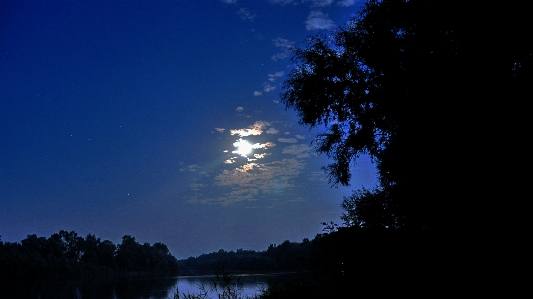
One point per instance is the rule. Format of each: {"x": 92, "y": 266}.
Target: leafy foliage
{"x": 371, "y": 209}
{"x": 406, "y": 83}
{"x": 367, "y": 80}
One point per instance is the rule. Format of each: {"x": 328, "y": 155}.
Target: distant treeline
{"x": 355, "y": 260}
{"x": 287, "y": 256}
{"x": 65, "y": 254}
{"x": 341, "y": 254}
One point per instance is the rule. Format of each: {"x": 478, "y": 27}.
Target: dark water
{"x": 160, "y": 288}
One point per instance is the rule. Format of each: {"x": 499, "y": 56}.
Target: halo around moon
{"x": 244, "y": 147}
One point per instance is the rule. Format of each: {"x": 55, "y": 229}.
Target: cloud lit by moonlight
{"x": 244, "y": 147}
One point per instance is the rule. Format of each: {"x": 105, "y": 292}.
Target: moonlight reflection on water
{"x": 250, "y": 285}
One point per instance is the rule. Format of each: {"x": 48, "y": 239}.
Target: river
{"x": 160, "y": 288}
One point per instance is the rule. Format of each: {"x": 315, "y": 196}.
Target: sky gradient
{"x": 161, "y": 120}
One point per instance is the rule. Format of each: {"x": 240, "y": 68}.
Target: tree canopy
{"x": 409, "y": 83}
{"x": 66, "y": 254}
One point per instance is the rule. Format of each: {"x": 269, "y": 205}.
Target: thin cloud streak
{"x": 282, "y": 2}
{"x": 288, "y": 140}
{"x": 347, "y": 3}
{"x": 320, "y": 3}
{"x": 267, "y": 87}
{"x": 300, "y": 150}
{"x": 275, "y": 76}
{"x": 285, "y": 45}
{"x": 317, "y": 20}
{"x": 246, "y": 15}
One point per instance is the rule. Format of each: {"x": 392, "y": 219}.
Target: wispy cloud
{"x": 347, "y": 3}
{"x": 229, "y": 1}
{"x": 256, "y": 129}
{"x": 315, "y": 176}
{"x": 285, "y": 45}
{"x": 246, "y": 15}
{"x": 288, "y": 140}
{"x": 300, "y": 150}
{"x": 313, "y": 3}
{"x": 276, "y": 75}
{"x": 261, "y": 125}
{"x": 239, "y": 109}
{"x": 317, "y": 20}
{"x": 272, "y": 131}
{"x": 253, "y": 180}
{"x": 245, "y": 132}
{"x": 191, "y": 168}
{"x": 220, "y": 130}
{"x": 196, "y": 186}
{"x": 320, "y": 3}
{"x": 283, "y": 2}
{"x": 261, "y": 156}
{"x": 267, "y": 87}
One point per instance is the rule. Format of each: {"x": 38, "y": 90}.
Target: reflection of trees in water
{"x": 157, "y": 288}
{"x": 146, "y": 288}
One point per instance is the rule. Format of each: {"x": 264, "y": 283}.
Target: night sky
{"x": 161, "y": 120}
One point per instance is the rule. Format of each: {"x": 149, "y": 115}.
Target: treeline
{"x": 287, "y": 256}
{"x": 334, "y": 261}
{"x": 381, "y": 261}
{"x": 339, "y": 251}
{"x": 66, "y": 254}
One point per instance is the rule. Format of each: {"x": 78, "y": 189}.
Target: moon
{"x": 243, "y": 147}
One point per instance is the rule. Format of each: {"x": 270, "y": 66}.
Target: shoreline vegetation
{"x": 285, "y": 257}
{"x": 325, "y": 266}
{"x": 68, "y": 255}
{"x": 344, "y": 259}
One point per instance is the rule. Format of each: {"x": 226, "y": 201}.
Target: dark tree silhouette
{"x": 408, "y": 83}
{"x": 128, "y": 253}
{"x": 66, "y": 255}
{"x": 368, "y": 209}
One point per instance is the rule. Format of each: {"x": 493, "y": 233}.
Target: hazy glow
{"x": 243, "y": 147}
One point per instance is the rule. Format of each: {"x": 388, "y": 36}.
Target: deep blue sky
{"x": 120, "y": 117}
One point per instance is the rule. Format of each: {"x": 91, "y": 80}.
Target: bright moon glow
{"x": 243, "y": 147}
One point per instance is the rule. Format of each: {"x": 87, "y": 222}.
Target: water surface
{"x": 152, "y": 288}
